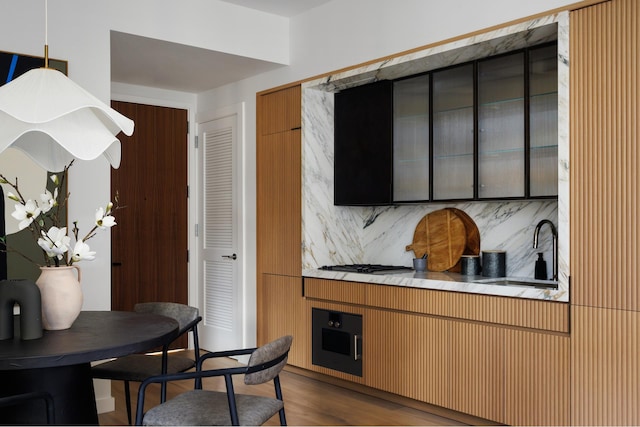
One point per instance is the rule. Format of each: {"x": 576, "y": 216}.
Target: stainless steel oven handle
{"x": 356, "y": 355}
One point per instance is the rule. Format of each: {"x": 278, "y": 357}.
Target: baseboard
{"x": 106, "y": 404}
{"x": 104, "y": 401}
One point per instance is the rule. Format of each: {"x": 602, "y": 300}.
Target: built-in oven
{"x": 337, "y": 340}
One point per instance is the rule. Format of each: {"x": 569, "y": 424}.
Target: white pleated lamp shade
{"x": 53, "y": 120}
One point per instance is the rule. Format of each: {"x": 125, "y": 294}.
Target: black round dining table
{"x": 59, "y": 363}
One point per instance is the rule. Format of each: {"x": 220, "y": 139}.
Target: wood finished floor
{"x": 307, "y": 402}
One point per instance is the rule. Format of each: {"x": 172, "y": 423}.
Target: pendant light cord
{"x": 46, "y": 35}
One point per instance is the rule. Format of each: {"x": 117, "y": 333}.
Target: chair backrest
{"x": 267, "y": 361}
{"x": 183, "y": 314}
{"x": 26, "y": 397}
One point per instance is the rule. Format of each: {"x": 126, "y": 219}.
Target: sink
{"x": 519, "y": 281}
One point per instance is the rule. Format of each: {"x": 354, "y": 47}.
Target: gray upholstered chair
{"x": 208, "y": 407}
{"x": 138, "y": 367}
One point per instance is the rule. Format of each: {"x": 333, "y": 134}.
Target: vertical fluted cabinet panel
{"x": 605, "y": 359}
{"x": 604, "y": 43}
{"x": 521, "y": 312}
{"x": 286, "y": 315}
{"x": 407, "y": 355}
{"x": 279, "y": 223}
{"x": 278, "y": 215}
{"x": 537, "y": 378}
{"x": 335, "y": 290}
{"x": 476, "y": 353}
{"x": 280, "y": 111}
{"x": 456, "y": 365}
{"x": 605, "y": 295}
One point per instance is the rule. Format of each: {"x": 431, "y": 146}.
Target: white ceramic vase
{"x": 61, "y": 296}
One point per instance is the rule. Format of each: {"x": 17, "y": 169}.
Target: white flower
{"x": 26, "y": 213}
{"x": 104, "y": 221}
{"x": 81, "y": 251}
{"x": 42, "y": 218}
{"x": 49, "y": 201}
{"x": 55, "y": 242}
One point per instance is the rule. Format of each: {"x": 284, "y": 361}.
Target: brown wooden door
{"x": 149, "y": 245}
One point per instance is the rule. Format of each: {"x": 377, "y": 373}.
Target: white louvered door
{"x": 220, "y": 282}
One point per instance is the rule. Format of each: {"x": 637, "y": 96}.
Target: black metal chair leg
{"x": 276, "y": 382}
{"x": 127, "y": 399}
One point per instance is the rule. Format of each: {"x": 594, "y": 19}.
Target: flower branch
{"x": 43, "y": 220}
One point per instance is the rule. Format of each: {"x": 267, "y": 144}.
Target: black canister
{"x": 470, "y": 265}
{"x": 494, "y": 263}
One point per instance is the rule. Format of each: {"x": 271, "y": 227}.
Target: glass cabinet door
{"x": 411, "y": 139}
{"x": 543, "y": 116}
{"x": 453, "y": 169}
{"x": 483, "y": 130}
{"x": 501, "y": 124}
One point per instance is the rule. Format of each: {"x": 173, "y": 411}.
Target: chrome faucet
{"x": 554, "y": 232}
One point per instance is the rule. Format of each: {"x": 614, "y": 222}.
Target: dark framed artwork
{"x": 13, "y": 65}
{"x": 33, "y": 180}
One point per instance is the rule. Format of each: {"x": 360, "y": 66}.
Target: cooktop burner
{"x": 366, "y": 268}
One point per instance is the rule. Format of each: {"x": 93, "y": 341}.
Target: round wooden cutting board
{"x": 442, "y": 236}
{"x": 472, "y": 246}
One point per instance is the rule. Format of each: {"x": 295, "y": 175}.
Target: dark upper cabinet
{"x": 481, "y": 130}
{"x": 364, "y": 145}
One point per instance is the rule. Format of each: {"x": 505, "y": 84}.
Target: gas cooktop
{"x": 366, "y": 268}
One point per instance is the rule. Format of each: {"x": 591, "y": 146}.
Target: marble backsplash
{"x": 347, "y": 235}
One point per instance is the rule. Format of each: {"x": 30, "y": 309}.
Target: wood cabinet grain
{"x": 279, "y": 110}
{"x": 503, "y": 359}
{"x": 536, "y": 378}
{"x": 604, "y": 105}
{"x": 279, "y": 224}
{"x": 605, "y": 297}
{"x": 280, "y": 304}
{"x": 285, "y": 313}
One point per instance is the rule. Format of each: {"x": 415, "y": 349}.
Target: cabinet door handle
{"x": 357, "y": 355}
{"x": 233, "y": 256}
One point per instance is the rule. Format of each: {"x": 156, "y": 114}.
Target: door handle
{"x": 233, "y": 256}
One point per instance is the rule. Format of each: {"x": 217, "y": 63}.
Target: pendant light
{"x": 53, "y": 120}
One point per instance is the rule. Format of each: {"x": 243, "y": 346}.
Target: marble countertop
{"x": 443, "y": 281}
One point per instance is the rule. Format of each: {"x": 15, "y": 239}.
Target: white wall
{"x": 78, "y": 32}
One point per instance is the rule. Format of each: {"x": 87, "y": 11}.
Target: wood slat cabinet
{"x": 536, "y": 378}
{"x": 286, "y": 314}
{"x": 279, "y": 110}
{"x": 605, "y": 296}
{"x": 604, "y": 105}
{"x": 456, "y": 365}
{"x": 279, "y": 220}
{"x": 470, "y": 353}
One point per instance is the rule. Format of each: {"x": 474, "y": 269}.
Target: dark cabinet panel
{"x": 364, "y": 145}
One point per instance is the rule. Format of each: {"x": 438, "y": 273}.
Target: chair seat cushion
{"x": 206, "y": 407}
{"x": 138, "y": 367}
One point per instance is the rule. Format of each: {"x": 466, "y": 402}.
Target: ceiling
{"x": 160, "y": 64}
{"x": 286, "y": 8}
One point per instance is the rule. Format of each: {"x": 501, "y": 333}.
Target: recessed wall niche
{"x": 347, "y": 235}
